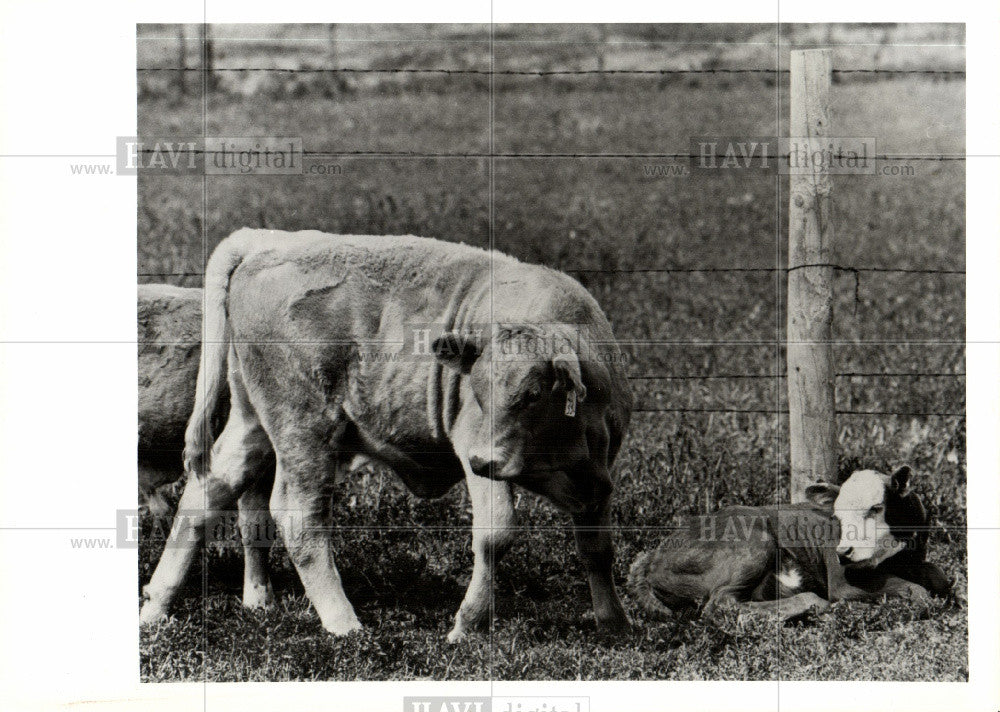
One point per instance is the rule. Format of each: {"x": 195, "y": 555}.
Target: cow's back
{"x": 319, "y": 295}
{"x": 169, "y": 351}
{"x": 337, "y": 308}
{"x": 169, "y": 346}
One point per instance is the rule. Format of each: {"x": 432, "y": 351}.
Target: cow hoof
{"x": 151, "y": 614}
{"x": 615, "y": 627}
{"x": 343, "y": 626}
{"x": 457, "y": 635}
{"x": 820, "y": 606}
{"x": 257, "y": 597}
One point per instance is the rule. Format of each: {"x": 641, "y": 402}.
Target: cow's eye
{"x": 877, "y": 509}
{"x": 532, "y": 395}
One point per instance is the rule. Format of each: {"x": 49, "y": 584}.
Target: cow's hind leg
{"x": 493, "y": 521}
{"x": 308, "y": 463}
{"x": 257, "y": 534}
{"x": 236, "y": 459}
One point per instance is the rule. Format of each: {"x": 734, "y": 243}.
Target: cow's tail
{"x": 641, "y": 589}
{"x": 198, "y": 437}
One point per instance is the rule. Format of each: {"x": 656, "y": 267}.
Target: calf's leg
{"x": 236, "y": 460}
{"x": 841, "y": 590}
{"x": 933, "y": 578}
{"x": 791, "y": 607}
{"x": 256, "y": 532}
{"x": 301, "y": 506}
{"x": 897, "y": 588}
{"x": 592, "y": 530}
{"x": 493, "y": 522}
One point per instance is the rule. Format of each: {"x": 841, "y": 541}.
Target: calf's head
{"x": 879, "y": 516}
{"x": 522, "y": 412}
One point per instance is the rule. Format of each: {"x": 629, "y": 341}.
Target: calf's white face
{"x": 859, "y": 506}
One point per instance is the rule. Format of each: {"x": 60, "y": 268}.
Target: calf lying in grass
{"x": 864, "y": 540}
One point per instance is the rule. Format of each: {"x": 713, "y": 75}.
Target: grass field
{"x": 407, "y": 577}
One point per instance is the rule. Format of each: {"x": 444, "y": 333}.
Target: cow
{"x": 522, "y": 384}
{"x": 864, "y": 540}
{"x": 169, "y": 346}
{"x": 169, "y": 350}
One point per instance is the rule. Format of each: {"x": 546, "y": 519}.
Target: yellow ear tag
{"x": 571, "y": 404}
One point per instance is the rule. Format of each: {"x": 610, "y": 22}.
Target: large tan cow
{"x": 326, "y": 344}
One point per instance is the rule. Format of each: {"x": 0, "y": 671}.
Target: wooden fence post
{"x": 811, "y": 397}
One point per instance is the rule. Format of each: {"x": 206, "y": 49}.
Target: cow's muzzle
{"x": 482, "y": 467}
{"x": 493, "y": 469}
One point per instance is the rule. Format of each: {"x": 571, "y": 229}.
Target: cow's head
{"x": 879, "y": 515}
{"x": 523, "y": 411}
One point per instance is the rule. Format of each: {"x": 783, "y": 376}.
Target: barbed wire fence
{"x": 855, "y": 271}
{"x": 956, "y": 73}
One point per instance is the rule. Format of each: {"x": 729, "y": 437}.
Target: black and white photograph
{"x": 507, "y": 365}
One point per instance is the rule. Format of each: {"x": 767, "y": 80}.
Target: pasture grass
{"x": 407, "y": 576}
{"x": 542, "y": 628}
{"x": 405, "y": 563}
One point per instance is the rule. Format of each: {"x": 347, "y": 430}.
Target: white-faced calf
{"x": 864, "y": 540}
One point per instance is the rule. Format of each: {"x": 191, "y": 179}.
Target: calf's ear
{"x": 567, "y": 367}
{"x": 900, "y": 480}
{"x": 822, "y": 494}
{"x": 456, "y": 351}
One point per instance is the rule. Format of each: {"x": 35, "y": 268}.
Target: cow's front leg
{"x": 932, "y": 578}
{"x": 895, "y": 587}
{"x": 793, "y": 606}
{"x": 839, "y": 589}
{"x": 594, "y": 543}
{"x": 493, "y": 521}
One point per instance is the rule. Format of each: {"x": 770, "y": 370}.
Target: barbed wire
{"x": 688, "y": 270}
{"x": 669, "y": 155}
{"x": 759, "y": 376}
{"x": 538, "y": 73}
{"x": 784, "y": 411}
{"x": 856, "y": 272}
{"x": 709, "y": 270}
{"x": 370, "y": 153}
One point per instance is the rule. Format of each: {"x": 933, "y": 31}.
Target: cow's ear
{"x": 568, "y": 374}
{"x": 900, "y": 480}
{"x": 823, "y": 495}
{"x": 456, "y": 351}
